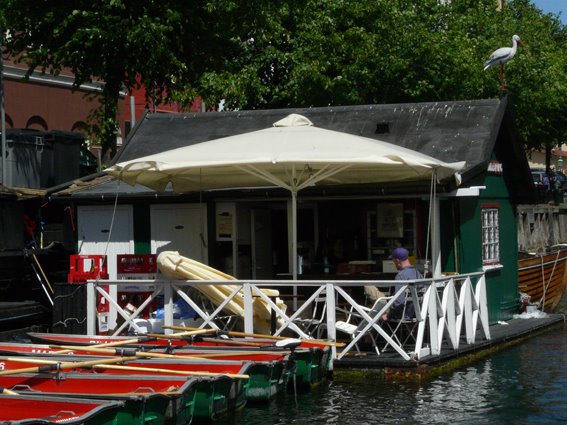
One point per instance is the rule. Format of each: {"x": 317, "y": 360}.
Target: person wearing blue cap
{"x": 406, "y": 271}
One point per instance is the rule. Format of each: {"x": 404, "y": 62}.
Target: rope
{"x": 542, "y": 282}
{"x": 546, "y": 285}
{"x": 112, "y": 220}
{"x": 432, "y": 194}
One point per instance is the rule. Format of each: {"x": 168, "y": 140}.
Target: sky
{"x": 553, "y": 6}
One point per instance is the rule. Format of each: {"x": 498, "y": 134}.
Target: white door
{"x": 182, "y": 228}
{"x": 104, "y": 230}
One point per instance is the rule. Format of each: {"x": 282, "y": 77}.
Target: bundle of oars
{"x": 174, "y": 265}
{"x": 116, "y": 359}
{"x": 119, "y": 354}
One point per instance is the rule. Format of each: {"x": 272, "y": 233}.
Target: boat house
{"x": 344, "y": 231}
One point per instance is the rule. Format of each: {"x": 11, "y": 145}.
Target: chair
{"x": 403, "y": 329}
{"x": 315, "y": 325}
{"x": 226, "y": 321}
{"x": 354, "y": 329}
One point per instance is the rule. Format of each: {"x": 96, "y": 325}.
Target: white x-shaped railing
{"x": 448, "y": 310}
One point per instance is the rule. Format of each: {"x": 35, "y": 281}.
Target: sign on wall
{"x": 225, "y": 221}
{"x": 390, "y": 220}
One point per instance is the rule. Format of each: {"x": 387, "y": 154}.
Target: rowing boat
{"x": 265, "y": 378}
{"x": 147, "y": 399}
{"x": 312, "y": 359}
{"x": 31, "y": 410}
{"x": 148, "y": 340}
{"x": 311, "y": 366}
{"x": 17, "y": 348}
{"x": 544, "y": 278}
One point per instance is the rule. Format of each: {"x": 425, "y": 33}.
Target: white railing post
{"x": 480, "y": 297}
{"x": 433, "y": 321}
{"x": 449, "y": 313}
{"x": 423, "y": 318}
{"x": 91, "y": 308}
{"x": 167, "y": 306}
{"x": 468, "y": 310}
{"x": 248, "y": 312}
{"x": 331, "y": 316}
{"x": 112, "y": 311}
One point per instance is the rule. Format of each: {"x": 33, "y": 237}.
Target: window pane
{"x": 490, "y": 236}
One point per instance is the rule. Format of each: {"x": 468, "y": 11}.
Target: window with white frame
{"x": 490, "y": 235}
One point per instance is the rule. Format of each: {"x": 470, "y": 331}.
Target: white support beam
{"x": 473, "y": 191}
{"x": 436, "y": 239}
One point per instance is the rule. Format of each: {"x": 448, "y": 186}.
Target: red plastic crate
{"x": 87, "y": 267}
{"x": 138, "y": 264}
{"x": 134, "y": 267}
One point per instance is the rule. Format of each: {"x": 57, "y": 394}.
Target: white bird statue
{"x": 503, "y": 55}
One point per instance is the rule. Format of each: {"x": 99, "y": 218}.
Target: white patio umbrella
{"x": 293, "y": 154}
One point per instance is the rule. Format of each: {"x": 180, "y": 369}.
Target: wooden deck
{"x": 391, "y": 365}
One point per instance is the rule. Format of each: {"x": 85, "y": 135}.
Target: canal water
{"x": 523, "y": 384}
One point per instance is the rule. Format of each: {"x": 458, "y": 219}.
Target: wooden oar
{"x": 182, "y": 335}
{"x": 262, "y": 336}
{"x": 232, "y": 342}
{"x": 214, "y": 340}
{"x": 66, "y": 365}
{"x": 170, "y": 371}
{"x": 99, "y": 365}
{"x": 131, "y": 352}
{"x": 143, "y": 338}
{"x": 7, "y": 391}
{"x": 137, "y": 340}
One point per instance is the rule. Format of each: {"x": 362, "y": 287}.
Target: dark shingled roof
{"x": 450, "y": 131}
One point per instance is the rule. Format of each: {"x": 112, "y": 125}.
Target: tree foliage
{"x": 120, "y": 42}
{"x": 299, "y": 53}
{"x": 340, "y": 52}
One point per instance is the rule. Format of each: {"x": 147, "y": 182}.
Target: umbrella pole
{"x": 294, "y": 244}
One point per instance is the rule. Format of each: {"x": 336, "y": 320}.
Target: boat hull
{"x": 147, "y": 399}
{"x": 266, "y": 379}
{"x": 312, "y": 360}
{"x": 307, "y": 367}
{"x": 544, "y": 278}
{"x": 31, "y": 410}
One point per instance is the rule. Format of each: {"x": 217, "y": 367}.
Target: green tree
{"x": 120, "y": 43}
{"x": 340, "y": 52}
{"x": 298, "y": 53}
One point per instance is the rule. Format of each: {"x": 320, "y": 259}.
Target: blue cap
{"x": 399, "y": 254}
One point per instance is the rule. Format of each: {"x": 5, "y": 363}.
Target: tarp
{"x": 174, "y": 265}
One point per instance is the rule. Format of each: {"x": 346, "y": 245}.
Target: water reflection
{"x": 525, "y": 384}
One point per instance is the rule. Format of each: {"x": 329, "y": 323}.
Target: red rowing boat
{"x": 31, "y": 410}
{"x": 311, "y": 365}
{"x": 147, "y": 398}
{"x": 175, "y": 341}
{"x": 14, "y": 348}
{"x": 266, "y": 379}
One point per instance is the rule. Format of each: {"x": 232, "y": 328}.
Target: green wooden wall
{"x": 462, "y": 239}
